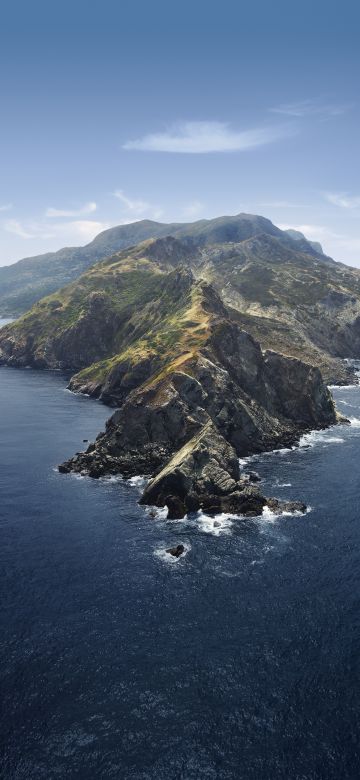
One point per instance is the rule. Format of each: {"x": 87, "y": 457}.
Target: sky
{"x": 117, "y": 111}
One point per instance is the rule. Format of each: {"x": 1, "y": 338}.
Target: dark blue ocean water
{"x": 240, "y": 660}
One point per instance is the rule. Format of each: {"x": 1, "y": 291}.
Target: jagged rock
{"x": 205, "y": 475}
{"x": 206, "y": 465}
{"x": 253, "y": 476}
{"x": 176, "y": 508}
{"x": 65, "y": 468}
{"x": 176, "y": 551}
{"x": 285, "y": 506}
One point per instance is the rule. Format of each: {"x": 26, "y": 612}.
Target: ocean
{"x": 238, "y": 660}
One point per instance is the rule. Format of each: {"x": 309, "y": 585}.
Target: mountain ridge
{"x": 28, "y": 280}
{"x": 299, "y": 303}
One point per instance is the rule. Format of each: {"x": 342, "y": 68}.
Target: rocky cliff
{"x": 146, "y": 331}
{"x": 187, "y": 425}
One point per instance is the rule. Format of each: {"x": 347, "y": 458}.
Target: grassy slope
{"x": 173, "y": 337}
{"x": 157, "y": 311}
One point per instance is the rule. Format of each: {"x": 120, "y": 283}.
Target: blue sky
{"x": 117, "y": 111}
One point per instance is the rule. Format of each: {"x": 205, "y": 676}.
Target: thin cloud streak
{"x": 343, "y": 200}
{"x": 76, "y": 230}
{"x": 304, "y": 108}
{"x": 193, "y": 209}
{"x": 136, "y": 208}
{"x": 207, "y": 137}
{"x": 88, "y": 208}
{"x": 282, "y": 204}
{"x": 17, "y": 228}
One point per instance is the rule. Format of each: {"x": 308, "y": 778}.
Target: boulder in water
{"x": 177, "y": 551}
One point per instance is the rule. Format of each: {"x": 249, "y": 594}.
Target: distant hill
{"x": 28, "y": 280}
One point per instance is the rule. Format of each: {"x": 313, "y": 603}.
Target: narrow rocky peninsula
{"x": 187, "y": 425}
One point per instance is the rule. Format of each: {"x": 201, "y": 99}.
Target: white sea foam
{"x": 157, "y": 513}
{"x": 139, "y": 481}
{"x": 112, "y": 478}
{"x": 270, "y": 516}
{"x": 243, "y": 462}
{"x": 355, "y": 422}
{"x": 319, "y": 437}
{"x": 217, "y": 525}
{"x": 344, "y": 387}
{"x": 166, "y": 557}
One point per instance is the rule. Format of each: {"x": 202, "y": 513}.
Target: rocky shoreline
{"x": 205, "y": 475}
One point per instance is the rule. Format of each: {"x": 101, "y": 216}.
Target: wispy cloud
{"x": 136, "y": 208}
{"x": 193, "y": 209}
{"x": 313, "y": 232}
{"x": 17, "y": 228}
{"x": 6, "y": 207}
{"x": 304, "y": 108}
{"x": 281, "y": 204}
{"x": 205, "y": 137}
{"x": 88, "y": 208}
{"x": 86, "y": 229}
{"x": 75, "y": 230}
{"x": 343, "y": 200}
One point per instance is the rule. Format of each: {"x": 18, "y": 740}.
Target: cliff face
{"x": 255, "y": 409}
{"x": 301, "y": 305}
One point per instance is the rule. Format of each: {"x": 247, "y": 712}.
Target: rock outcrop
{"x": 204, "y": 474}
{"x": 177, "y": 551}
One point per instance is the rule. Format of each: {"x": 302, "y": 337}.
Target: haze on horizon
{"x": 110, "y": 116}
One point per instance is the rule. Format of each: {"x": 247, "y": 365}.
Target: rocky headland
{"x": 165, "y": 333}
